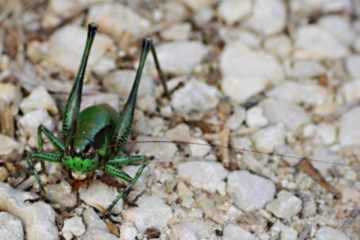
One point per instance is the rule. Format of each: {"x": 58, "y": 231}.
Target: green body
{"x": 93, "y": 138}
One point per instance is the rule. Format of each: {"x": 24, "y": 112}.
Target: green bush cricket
{"x": 89, "y": 136}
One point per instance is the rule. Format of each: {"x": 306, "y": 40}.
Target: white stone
{"x": 279, "y": 45}
{"x": 349, "y": 131}
{"x": 10, "y": 93}
{"x": 268, "y": 17}
{"x": 286, "y": 233}
{"x": 313, "y": 42}
{"x": 200, "y": 149}
{"x": 96, "y": 228}
{"x": 128, "y": 231}
{"x": 255, "y": 117}
{"x": 31, "y": 121}
{"x": 18, "y": 203}
{"x": 249, "y": 191}
{"x": 309, "y": 7}
{"x": 267, "y": 139}
{"x": 205, "y": 175}
{"x": 67, "y": 44}
{"x": 258, "y": 69}
{"x": 328, "y": 159}
{"x": 121, "y": 81}
{"x": 352, "y": 64}
{"x": 177, "y": 32}
{"x": 162, "y": 149}
{"x": 73, "y": 227}
{"x": 307, "y": 69}
{"x": 104, "y": 65}
{"x": 181, "y": 57}
{"x": 9, "y": 148}
{"x": 285, "y": 206}
{"x": 328, "y": 233}
{"x": 340, "y": 27}
{"x": 234, "y": 10}
{"x": 195, "y": 96}
{"x": 152, "y": 211}
{"x": 326, "y": 134}
{"x": 290, "y": 114}
{"x": 306, "y": 93}
{"x": 235, "y": 232}
{"x": 116, "y": 19}
{"x": 61, "y": 194}
{"x": 350, "y": 91}
{"x": 191, "y": 229}
{"x": 357, "y": 44}
{"x": 10, "y": 227}
{"x": 100, "y": 196}
{"x": 39, "y": 98}
{"x": 199, "y": 4}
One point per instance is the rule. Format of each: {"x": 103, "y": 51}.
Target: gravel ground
{"x": 276, "y": 83}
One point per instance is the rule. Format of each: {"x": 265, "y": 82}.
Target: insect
{"x": 95, "y": 137}
{"x": 88, "y": 134}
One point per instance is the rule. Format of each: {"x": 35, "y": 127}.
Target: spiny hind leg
{"x": 114, "y": 171}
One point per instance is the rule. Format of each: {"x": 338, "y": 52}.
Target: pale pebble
{"x": 352, "y": 65}
{"x": 285, "y": 206}
{"x": 10, "y": 227}
{"x": 269, "y": 17}
{"x": 177, "y": 32}
{"x": 208, "y": 176}
{"x": 349, "y": 132}
{"x": 255, "y": 117}
{"x": 249, "y": 191}
{"x": 152, "y": 211}
{"x": 340, "y": 27}
{"x": 279, "y": 45}
{"x": 191, "y": 229}
{"x": 39, "y": 98}
{"x": 267, "y": 139}
{"x": 233, "y": 11}
{"x": 235, "y": 232}
{"x": 73, "y": 227}
{"x": 328, "y": 233}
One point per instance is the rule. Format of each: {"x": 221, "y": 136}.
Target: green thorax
{"x": 78, "y": 164}
{"x": 95, "y": 128}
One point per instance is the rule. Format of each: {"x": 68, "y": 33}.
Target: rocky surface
{"x": 265, "y": 91}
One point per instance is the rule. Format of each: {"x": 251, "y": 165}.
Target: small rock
{"x": 267, "y": 139}
{"x": 258, "y": 70}
{"x": 96, "y": 228}
{"x": 191, "y": 229}
{"x": 177, "y": 32}
{"x": 39, "y": 99}
{"x": 151, "y": 212}
{"x": 61, "y": 194}
{"x": 205, "y": 175}
{"x": 255, "y": 117}
{"x": 233, "y": 11}
{"x": 10, "y": 93}
{"x": 67, "y": 44}
{"x": 185, "y": 194}
{"x": 328, "y": 233}
{"x": 181, "y": 57}
{"x": 279, "y": 45}
{"x": 174, "y": 11}
{"x": 249, "y": 191}
{"x": 208, "y": 206}
{"x": 73, "y": 227}
{"x": 313, "y": 42}
{"x": 121, "y": 81}
{"x": 350, "y": 91}
{"x": 325, "y": 134}
{"x": 162, "y": 150}
{"x": 349, "y": 131}
{"x": 17, "y": 203}
{"x": 235, "y": 232}
{"x": 195, "y": 96}
{"x": 9, "y": 148}
{"x": 128, "y": 231}
{"x": 31, "y": 121}
{"x": 268, "y": 17}
{"x": 116, "y": 20}
{"x": 290, "y": 114}
{"x": 199, "y": 4}
{"x": 306, "y": 93}
{"x": 200, "y": 148}
{"x": 329, "y": 160}
{"x": 100, "y": 196}
{"x": 105, "y": 65}
{"x": 286, "y": 233}
{"x": 10, "y": 227}
{"x": 307, "y": 8}
{"x": 340, "y": 27}
{"x": 285, "y": 206}
{"x": 307, "y": 69}
{"x": 352, "y": 64}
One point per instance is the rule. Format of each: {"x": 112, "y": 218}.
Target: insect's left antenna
{"x": 72, "y": 107}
